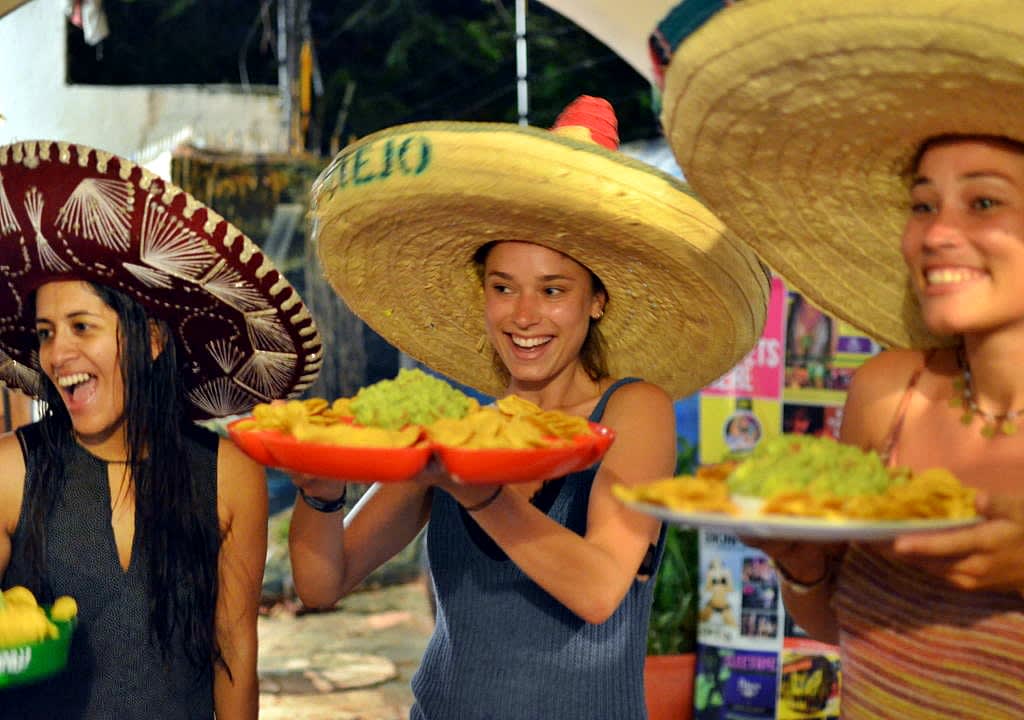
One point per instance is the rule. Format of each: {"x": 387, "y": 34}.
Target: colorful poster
{"x": 752, "y": 661}
{"x": 735, "y": 684}
{"x": 759, "y": 374}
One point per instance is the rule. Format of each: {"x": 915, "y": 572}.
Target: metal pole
{"x": 522, "y": 94}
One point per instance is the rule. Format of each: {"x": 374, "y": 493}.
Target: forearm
{"x": 807, "y": 597}
{"x": 237, "y": 696}
{"x": 583, "y": 574}
{"x": 316, "y": 547}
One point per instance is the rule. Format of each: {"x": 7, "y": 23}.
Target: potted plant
{"x": 672, "y": 636}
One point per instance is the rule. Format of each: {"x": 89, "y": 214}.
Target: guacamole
{"x": 788, "y": 463}
{"x": 412, "y": 397}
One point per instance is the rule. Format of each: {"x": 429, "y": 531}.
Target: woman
{"x": 518, "y": 260}
{"x": 154, "y": 526}
{"x": 930, "y": 625}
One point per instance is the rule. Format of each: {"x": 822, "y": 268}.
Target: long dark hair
{"x": 593, "y": 352}
{"x": 180, "y": 543}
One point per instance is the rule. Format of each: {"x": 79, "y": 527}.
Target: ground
{"x": 352, "y": 663}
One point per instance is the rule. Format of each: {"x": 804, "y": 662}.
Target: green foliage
{"x": 673, "y": 627}
{"x": 381, "y": 62}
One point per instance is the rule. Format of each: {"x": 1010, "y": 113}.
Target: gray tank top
{"x": 503, "y": 648}
{"x": 115, "y": 668}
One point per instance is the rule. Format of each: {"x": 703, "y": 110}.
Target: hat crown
{"x": 593, "y": 114}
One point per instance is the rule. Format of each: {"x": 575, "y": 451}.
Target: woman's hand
{"x": 469, "y": 496}
{"x": 985, "y": 556}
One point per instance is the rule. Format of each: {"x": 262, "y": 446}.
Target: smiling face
{"x": 964, "y": 240}
{"x": 538, "y": 308}
{"x": 79, "y": 352}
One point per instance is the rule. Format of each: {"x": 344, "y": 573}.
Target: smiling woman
{"x": 130, "y": 309}
{"x": 796, "y": 124}
{"x": 547, "y": 265}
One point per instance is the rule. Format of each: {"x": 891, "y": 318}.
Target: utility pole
{"x": 522, "y": 94}
{"x": 291, "y": 48}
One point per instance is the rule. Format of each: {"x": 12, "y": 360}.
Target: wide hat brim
{"x": 796, "y": 121}
{"x": 399, "y": 215}
{"x": 73, "y": 212}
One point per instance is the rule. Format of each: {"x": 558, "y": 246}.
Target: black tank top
{"x": 115, "y": 668}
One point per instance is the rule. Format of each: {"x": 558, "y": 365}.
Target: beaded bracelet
{"x": 484, "y": 503}
{"x": 324, "y": 506}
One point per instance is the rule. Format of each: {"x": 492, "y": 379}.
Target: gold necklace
{"x": 992, "y": 424}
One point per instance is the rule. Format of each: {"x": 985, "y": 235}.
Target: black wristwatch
{"x": 324, "y": 506}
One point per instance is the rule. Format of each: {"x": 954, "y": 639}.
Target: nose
{"x": 59, "y": 348}
{"x": 525, "y": 311}
{"x": 945, "y": 230}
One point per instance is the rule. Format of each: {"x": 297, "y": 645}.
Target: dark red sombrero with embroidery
{"x": 73, "y": 212}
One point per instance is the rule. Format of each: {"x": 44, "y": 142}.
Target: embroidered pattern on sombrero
{"x": 71, "y": 212}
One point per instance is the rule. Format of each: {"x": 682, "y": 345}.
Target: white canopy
{"x": 622, "y": 25}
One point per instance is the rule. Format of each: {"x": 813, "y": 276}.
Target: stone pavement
{"x": 352, "y": 663}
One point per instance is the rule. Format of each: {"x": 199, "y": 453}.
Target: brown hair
{"x": 910, "y": 172}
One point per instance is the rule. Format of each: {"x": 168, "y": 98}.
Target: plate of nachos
{"x": 802, "y": 487}
{"x": 389, "y": 431}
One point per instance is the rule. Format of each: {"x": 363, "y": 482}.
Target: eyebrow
{"x": 925, "y": 180}
{"x": 544, "y": 278}
{"x": 70, "y": 315}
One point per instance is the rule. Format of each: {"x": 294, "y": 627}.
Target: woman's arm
{"x": 332, "y": 553}
{"x": 242, "y": 509}
{"x": 12, "y": 487}
{"x": 590, "y": 575}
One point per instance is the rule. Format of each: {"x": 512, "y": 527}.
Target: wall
{"x": 136, "y": 121}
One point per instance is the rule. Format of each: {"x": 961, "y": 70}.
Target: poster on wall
{"x": 753, "y": 661}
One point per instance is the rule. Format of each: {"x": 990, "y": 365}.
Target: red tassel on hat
{"x": 596, "y": 115}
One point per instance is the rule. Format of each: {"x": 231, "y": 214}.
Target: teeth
{"x": 69, "y": 380}
{"x": 529, "y": 342}
{"x": 948, "y": 276}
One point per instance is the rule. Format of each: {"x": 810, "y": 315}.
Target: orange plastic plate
{"x": 487, "y": 466}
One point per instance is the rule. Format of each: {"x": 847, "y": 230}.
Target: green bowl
{"x": 25, "y": 664}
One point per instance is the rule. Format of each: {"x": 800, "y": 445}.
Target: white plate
{"x": 788, "y": 527}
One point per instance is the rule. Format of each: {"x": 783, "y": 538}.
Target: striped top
{"x": 915, "y": 648}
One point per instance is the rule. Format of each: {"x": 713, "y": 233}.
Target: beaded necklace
{"x": 993, "y": 424}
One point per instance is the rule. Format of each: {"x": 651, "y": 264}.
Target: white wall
{"x": 129, "y": 120}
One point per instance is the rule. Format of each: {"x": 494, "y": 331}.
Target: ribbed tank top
{"x": 503, "y": 648}
{"x": 115, "y": 669}
{"x": 914, "y": 648}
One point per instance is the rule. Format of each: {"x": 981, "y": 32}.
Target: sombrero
{"x": 795, "y": 121}
{"x": 399, "y": 214}
{"x": 72, "y": 212}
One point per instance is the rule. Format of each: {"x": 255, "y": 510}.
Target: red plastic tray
{"x": 488, "y": 466}
{"x": 472, "y": 466}
{"x": 337, "y": 462}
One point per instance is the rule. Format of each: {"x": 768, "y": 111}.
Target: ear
{"x": 597, "y": 305}
{"x": 157, "y": 338}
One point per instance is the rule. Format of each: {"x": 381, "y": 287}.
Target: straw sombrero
{"x": 400, "y": 213}
{"x": 72, "y": 212}
{"x": 793, "y": 120}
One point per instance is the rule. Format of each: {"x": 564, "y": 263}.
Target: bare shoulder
{"x": 241, "y": 481}
{"x": 887, "y": 370}
{"x": 638, "y": 397}
{"x": 12, "y": 481}
{"x": 643, "y": 407}
{"x": 874, "y": 396}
